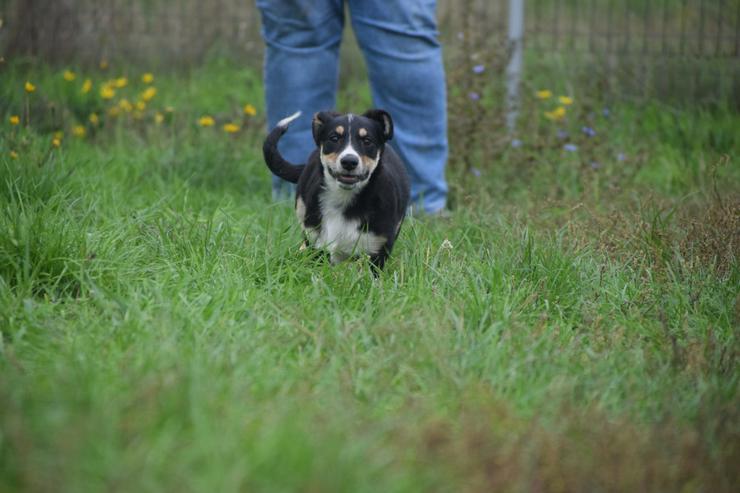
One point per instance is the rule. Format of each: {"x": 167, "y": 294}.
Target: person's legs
{"x": 302, "y": 40}
{"x": 404, "y": 59}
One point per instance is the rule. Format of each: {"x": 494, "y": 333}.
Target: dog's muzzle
{"x": 347, "y": 179}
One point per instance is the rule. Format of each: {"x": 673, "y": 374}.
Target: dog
{"x": 353, "y": 192}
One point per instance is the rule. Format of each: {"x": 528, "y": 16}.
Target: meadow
{"x": 572, "y": 327}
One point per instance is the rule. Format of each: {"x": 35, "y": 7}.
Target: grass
{"x": 573, "y": 327}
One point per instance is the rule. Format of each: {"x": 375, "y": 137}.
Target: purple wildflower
{"x": 606, "y": 112}
{"x": 588, "y": 131}
{"x": 479, "y": 69}
{"x": 474, "y": 96}
{"x": 562, "y": 134}
{"x": 475, "y": 172}
{"x": 570, "y": 147}
{"x": 621, "y": 157}
{"x": 516, "y": 143}
{"x": 595, "y": 165}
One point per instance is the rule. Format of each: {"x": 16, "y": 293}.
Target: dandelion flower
{"x": 250, "y": 110}
{"x": 94, "y": 119}
{"x": 556, "y": 115}
{"x": 147, "y": 78}
{"x": 565, "y": 100}
{"x": 13, "y": 155}
{"x": 120, "y": 82}
{"x": 69, "y": 76}
{"x": 107, "y": 92}
{"x": 206, "y": 121}
{"x": 86, "y": 86}
{"x": 543, "y": 94}
{"x": 79, "y": 131}
{"x": 149, "y": 94}
{"x": 140, "y": 105}
{"x": 56, "y": 142}
{"x": 14, "y": 119}
{"x": 158, "y": 118}
{"x": 29, "y": 87}
{"x": 114, "y": 111}
{"x": 125, "y": 105}
{"x": 231, "y": 128}
{"x": 59, "y": 135}
{"x": 103, "y": 64}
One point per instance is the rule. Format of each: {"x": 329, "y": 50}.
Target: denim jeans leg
{"x": 301, "y": 67}
{"x": 399, "y": 39}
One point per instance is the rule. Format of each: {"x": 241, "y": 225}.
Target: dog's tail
{"x": 277, "y": 164}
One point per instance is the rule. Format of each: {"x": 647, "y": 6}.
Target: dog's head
{"x": 350, "y": 145}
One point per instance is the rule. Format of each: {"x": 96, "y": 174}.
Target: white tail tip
{"x": 287, "y": 121}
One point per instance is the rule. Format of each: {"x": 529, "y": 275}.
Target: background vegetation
{"x": 572, "y": 327}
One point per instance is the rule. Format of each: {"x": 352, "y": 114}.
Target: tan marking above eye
{"x": 362, "y": 132}
{"x": 339, "y": 130}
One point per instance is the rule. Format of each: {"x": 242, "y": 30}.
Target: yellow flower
{"x": 169, "y": 109}
{"x": 69, "y": 76}
{"x": 56, "y": 142}
{"x": 206, "y": 121}
{"x": 107, "y": 92}
{"x": 79, "y": 131}
{"x": 113, "y": 111}
{"x": 543, "y": 94}
{"x": 158, "y": 118}
{"x": 14, "y": 119}
{"x": 565, "y": 100}
{"x": 231, "y": 128}
{"x": 147, "y": 78}
{"x": 120, "y": 82}
{"x": 86, "y": 86}
{"x": 103, "y": 64}
{"x": 140, "y": 105}
{"x": 149, "y": 93}
{"x": 556, "y": 115}
{"x": 29, "y": 87}
{"x": 125, "y": 105}
{"x": 59, "y": 135}
{"x": 94, "y": 119}
{"x": 250, "y": 110}
{"x": 13, "y": 155}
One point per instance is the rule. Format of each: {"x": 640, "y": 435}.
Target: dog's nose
{"x": 349, "y": 162}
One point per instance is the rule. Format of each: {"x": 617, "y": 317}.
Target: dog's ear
{"x": 319, "y": 120}
{"x": 385, "y": 121}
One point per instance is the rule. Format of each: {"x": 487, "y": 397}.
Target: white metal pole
{"x": 514, "y": 68}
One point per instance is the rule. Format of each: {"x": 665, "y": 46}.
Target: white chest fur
{"x": 343, "y": 237}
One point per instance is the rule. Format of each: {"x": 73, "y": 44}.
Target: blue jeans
{"x": 404, "y": 60}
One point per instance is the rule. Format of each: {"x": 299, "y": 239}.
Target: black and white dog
{"x": 353, "y": 192}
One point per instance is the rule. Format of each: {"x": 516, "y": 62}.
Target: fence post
{"x": 514, "y": 67}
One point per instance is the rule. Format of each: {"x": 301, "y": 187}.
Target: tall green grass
{"x": 571, "y": 328}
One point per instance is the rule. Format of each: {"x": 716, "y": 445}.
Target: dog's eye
{"x": 367, "y": 141}
{"x": 333, "y": 138}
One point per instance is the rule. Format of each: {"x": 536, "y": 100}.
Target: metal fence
{"x": 642, "y": 47}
